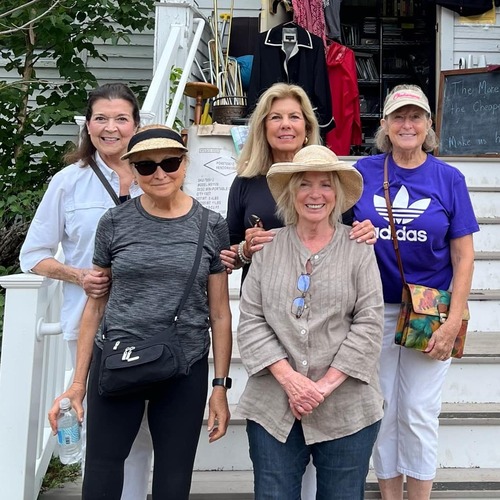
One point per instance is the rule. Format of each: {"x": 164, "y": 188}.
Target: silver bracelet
{"x": 243, "y": 258}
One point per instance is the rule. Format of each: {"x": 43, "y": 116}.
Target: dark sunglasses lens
{"x": 170, "y": 165}
{"x": 145, "y": 167}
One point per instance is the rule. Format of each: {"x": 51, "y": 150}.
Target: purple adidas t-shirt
{"x": 431, "y": 206}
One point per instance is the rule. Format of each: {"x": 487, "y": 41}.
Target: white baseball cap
{"x": 400, "y": 97}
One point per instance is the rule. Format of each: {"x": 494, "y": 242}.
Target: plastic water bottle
{"x": 68, "y": 434}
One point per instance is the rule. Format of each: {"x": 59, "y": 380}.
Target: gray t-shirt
{"x": 151, "y": 259}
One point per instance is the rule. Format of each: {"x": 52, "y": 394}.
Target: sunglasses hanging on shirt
{"x": 168, "y": 165}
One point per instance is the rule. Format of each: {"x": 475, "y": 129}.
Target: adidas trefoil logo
{"x": 403, "y": 212}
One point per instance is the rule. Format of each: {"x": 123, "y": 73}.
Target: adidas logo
{"x": 403, "y": 213}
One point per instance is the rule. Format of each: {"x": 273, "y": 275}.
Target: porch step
{"x": 467, "y": 434}
{"x": 472, "y": 379}
{"x": 456, "y": 484}
{"x": 486, "y": 240}
{"x": 485, "y": 200}
{"x": 484, "y": 303}
{"x": 484, "y": 308}
{"x": 486, "y": 270}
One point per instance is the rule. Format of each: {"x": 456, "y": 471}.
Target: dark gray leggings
{"x": 175, "y": 416}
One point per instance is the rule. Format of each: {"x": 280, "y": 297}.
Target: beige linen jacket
{"x": 341, "y": 327}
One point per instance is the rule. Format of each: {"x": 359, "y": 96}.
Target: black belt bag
{"x": 127, "y": 366}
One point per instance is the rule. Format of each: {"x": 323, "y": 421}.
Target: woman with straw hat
{"x": 148, "y": 245}
{"x": 310, "y": 336}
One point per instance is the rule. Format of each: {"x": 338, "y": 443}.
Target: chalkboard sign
{"x": 468, "y": 121}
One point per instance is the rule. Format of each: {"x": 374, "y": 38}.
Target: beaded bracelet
{"x": 244, "y": 259}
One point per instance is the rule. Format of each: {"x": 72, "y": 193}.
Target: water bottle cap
{"x": 65, "y": 404}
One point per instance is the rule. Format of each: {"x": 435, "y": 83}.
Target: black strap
{"x": 196, "y": 265}
{"x": 391, "y": 220}
{"x": 194, "y": 270}
{"x": 104, "y": 181}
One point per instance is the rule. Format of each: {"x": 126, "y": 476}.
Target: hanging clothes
{"x": 301, "y": 62}
{"x": 310, "y": 15}
{"x": 341, "y": 65}
{"x": 332, "y": 19}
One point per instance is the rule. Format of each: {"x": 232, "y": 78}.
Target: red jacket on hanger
{"x": 341, "y": 69}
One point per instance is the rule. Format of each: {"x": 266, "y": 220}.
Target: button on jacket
{"x": 341, "y": 327}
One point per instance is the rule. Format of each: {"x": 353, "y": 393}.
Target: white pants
{"x": 309, "y": 483}
{"x": 137, "y": 467}
{"x": 412, "y": 384}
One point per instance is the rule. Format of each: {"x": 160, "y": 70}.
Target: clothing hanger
{"x": 286, "y": 3}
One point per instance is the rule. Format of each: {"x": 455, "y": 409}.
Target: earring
{"x": 135, "y": 182}
{"x": 306, "y": 140}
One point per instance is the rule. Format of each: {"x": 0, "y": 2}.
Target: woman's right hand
{"x": 75, "y": 393}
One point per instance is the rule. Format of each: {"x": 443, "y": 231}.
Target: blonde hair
{"x": 285, "y": 204}
{"x": 382, "y": 140}
{"x": 256, "y": 156}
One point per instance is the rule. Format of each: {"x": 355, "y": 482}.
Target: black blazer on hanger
{"x": 306, "y": 67}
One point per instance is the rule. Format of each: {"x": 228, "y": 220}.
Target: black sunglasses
{"x": 148, "y": 167}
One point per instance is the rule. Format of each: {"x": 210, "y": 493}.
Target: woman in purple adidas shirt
{"x": 434, "y": 223}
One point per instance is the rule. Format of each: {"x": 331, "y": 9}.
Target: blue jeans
{"x": 341, "y": 464}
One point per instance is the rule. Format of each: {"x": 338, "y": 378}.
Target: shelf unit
{"x": 394, "y": 43}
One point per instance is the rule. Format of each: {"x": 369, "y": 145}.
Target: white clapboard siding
{"x": 461, "y": 39}
{"x": 128, "y": 63}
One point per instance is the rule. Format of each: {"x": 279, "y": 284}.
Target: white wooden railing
{"x": 35, "y": 365}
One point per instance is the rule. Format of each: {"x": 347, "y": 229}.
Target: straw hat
{"x": 152, "y": 138}
{"x": 405, "y": 97}
{"x": 317, "y": 159}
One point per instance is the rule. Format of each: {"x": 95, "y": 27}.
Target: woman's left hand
{"x": 363, "y": 232}
{"x": 219, "y": 415}
{"x": 442, "y": 341}
{"x": 229, "y": 259}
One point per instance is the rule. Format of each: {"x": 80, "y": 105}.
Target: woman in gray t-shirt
{"x": 148, "y": 247}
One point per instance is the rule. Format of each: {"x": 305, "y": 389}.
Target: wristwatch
{"x": 226, "y": 382}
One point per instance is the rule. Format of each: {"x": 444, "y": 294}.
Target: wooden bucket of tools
{"x": 225, "y": 109}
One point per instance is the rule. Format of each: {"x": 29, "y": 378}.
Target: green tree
{"x": 60, "y": 30}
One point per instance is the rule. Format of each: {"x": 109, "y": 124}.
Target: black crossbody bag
{"x": 127, "y": 366}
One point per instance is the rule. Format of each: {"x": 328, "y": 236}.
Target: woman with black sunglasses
{"x": 148, "y": 245}
{"x": 310, "y": 335}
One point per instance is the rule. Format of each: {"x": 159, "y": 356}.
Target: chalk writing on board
{"x": 469, "y": 112}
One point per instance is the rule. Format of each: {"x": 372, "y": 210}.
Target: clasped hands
{"x": 304, "y": 395}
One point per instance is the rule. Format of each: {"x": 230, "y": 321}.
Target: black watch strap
{"x": 226, "y": 382}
